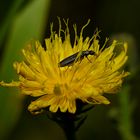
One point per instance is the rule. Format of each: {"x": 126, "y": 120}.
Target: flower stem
{"x": 67, "y": 122}
{"x": 69, "y": 130}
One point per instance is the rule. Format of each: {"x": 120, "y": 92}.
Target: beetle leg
{"x": 88, "y": 59}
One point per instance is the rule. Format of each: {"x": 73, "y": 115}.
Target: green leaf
{"x": 28, "y": 24}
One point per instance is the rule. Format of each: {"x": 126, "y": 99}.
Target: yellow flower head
{"x": 86, "y": 77}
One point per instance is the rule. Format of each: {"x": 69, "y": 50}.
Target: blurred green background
{"x": 24, "y": 20}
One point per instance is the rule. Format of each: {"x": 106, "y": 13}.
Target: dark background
{"x": 119, "y": 19}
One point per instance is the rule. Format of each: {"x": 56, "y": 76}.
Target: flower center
{"x": 57, "y": 89}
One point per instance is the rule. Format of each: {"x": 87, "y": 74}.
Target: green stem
{"x": 66, "y": 121}
{"x": 126, "y": 112}
{"x": 69, "y": 122}
{"x": 69, "y": 130}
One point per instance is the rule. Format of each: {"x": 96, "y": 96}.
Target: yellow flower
{"x": 87, "y": 79}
